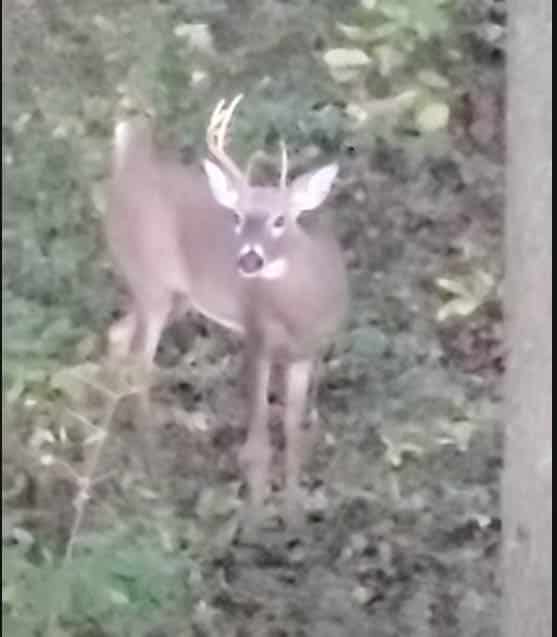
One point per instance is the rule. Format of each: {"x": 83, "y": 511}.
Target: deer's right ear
{"x": 222, "y": 187}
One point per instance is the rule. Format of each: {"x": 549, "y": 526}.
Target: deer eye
{"x": 236, "y": 219}
{"x": 278, "y": 222}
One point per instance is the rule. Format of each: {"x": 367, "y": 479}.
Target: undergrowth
{"x": 69, "y": 68}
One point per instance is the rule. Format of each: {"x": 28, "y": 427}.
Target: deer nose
{"x": 250, "y": 262}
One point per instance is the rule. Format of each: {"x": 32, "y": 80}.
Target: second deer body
{"x": 242, "y": 256}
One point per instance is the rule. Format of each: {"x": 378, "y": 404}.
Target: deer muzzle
{"x": 251, "y": 260}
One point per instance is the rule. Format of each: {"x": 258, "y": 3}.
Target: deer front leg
{"x": 298, "y": 376}
{"x": 313, "y": 395}
{"x": 255, "y": 455}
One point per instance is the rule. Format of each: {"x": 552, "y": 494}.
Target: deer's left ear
{"x": 223, "y": 188}
{"x": 310, "y": 190}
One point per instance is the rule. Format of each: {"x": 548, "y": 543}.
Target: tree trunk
{"x": 527, "y": 481}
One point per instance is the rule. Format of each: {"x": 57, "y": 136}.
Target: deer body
{"x": 242, "y": 256}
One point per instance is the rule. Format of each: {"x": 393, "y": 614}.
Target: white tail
{"x": 239, "y": 254}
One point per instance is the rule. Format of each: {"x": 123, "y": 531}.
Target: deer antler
{"x": 216, "y": 135}
{"x": 217, "y": 129}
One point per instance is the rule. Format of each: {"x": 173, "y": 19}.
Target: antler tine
{"x": 283, "y": 164}
{"x": 213, "y": 126}
{"x": 216, "y": 134}
{"x": 226, "y": 118}
{"x": 216, "y": 116}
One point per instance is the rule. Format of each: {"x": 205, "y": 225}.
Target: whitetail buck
{"x": 240, "y": 255}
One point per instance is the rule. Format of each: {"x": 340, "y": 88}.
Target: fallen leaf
{"x": 357, "y": 34}
{"x": 431, "y": 78}
{"x": 118, "y": 598}
{"x": 395, "y": 451}
{"x": 470, "y": 293}
{"x": 346, "y": 58}
{"x": 198, "y": 35}
{"x": 460, "y": 307}
{"x": 458, "y": 433}
{"x": 388, "y": 58}
{"x": 433, "y": 117}
{"x": 21, "y": 122}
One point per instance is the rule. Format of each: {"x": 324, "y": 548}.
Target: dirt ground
{"x": 402, "y": 493}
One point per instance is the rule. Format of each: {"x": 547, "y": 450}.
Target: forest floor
{"x": 402, "y": 493}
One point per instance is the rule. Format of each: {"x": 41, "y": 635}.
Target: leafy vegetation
{"x": 405, "y": 49}
{"x": 90, "y": 547}
{"x": 116, "y": 580}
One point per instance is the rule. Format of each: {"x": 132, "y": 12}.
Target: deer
{"x": 259, "y": 261}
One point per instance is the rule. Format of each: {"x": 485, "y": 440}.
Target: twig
{"x": 84, "y": 482}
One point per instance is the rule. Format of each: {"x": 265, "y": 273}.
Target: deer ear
{"x": 222, "y": 187}
{"x": 310, "y": 190}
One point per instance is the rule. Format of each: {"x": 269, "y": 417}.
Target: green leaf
{"x": 389, "y": 59}
{"x": 432, "y": 79}
{"x": 433, "y": 117}
{"x": 346, "y": 58}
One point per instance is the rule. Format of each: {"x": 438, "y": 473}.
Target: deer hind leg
{"x": 298, "y": 377}
{"x": 255, "y": 455}
{"x": 138, "y": 334}
{"x": 139, "y": 331}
